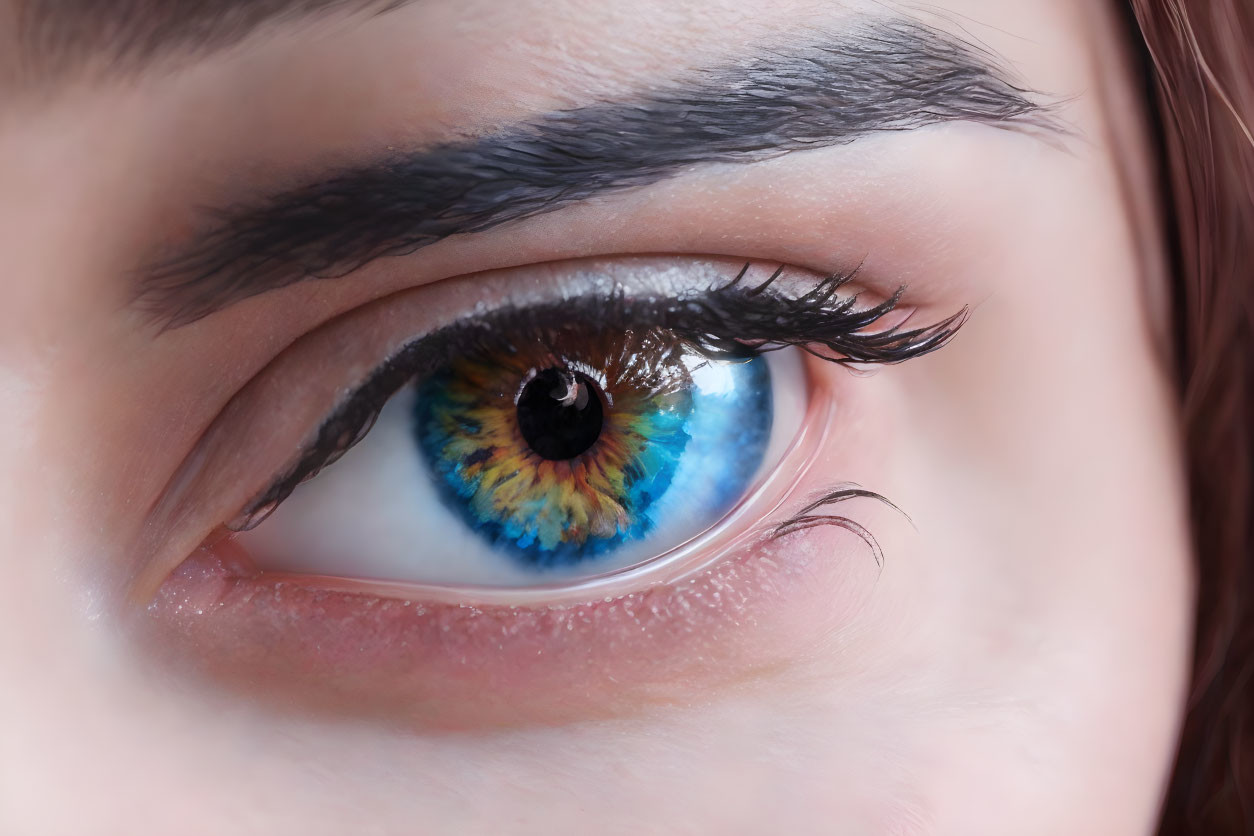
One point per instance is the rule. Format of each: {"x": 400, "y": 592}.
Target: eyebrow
{"x": 886, "y": 74}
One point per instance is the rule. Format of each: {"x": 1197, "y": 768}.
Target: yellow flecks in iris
{"x": 551, "y": 502}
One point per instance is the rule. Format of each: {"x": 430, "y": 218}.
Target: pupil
{"x": 560, "y": 414}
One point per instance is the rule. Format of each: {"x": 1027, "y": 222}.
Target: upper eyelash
{"x": 816, "y": 321}
{"x": 761, "y": 319}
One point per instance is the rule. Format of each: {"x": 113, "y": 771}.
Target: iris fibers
{"x": 560, "y": 454}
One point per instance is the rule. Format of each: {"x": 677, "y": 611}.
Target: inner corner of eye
{"x": 508, "y": 468}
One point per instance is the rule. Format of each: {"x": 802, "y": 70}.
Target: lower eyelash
{"x": 806, "y": 518}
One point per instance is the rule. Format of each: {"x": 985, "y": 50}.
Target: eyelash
{"x": 829, "y": 328}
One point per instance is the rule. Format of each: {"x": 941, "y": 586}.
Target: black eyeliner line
{"x": 696, "y": 320}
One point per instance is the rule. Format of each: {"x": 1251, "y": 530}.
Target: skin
{"x": 1017, "y": 665}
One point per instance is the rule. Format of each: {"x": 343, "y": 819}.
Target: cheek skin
{"x": 1052, "y": 622}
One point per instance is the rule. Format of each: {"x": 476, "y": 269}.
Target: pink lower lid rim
{"x": 460, "y": 666}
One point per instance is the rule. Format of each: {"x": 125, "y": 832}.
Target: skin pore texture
{"x": 1016, "y": 664}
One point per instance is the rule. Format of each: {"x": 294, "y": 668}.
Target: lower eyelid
{"x": 450, "y": 666}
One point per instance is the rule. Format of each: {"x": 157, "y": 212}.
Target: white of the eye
{"x": 377, "y": 514}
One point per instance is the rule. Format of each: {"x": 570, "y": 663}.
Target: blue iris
{"x": 658, "y": 468}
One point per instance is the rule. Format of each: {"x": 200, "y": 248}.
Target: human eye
{"x": 555, "y": 472}
{"x": 565, "y": 440}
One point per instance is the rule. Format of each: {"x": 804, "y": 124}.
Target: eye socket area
{"x": 730, "y": 600}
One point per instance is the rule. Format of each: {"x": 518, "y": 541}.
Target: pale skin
{"x": 1019, "y": 663}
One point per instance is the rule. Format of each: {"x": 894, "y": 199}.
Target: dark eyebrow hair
{"x": 883, "y": 75}
{"x": 54, "y": 36}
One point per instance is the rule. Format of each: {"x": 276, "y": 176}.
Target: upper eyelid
{"x": 830, "y": 322}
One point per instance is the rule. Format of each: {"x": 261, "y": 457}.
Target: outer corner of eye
{"x": 545, "y": 464}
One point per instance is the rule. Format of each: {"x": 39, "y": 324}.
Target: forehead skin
{"x": 1020, "y": 664}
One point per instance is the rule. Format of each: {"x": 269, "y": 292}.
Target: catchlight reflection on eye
{"x": 543, "y": 463}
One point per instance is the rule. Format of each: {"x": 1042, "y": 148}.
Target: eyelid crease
{"x": 830, "y": 328}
